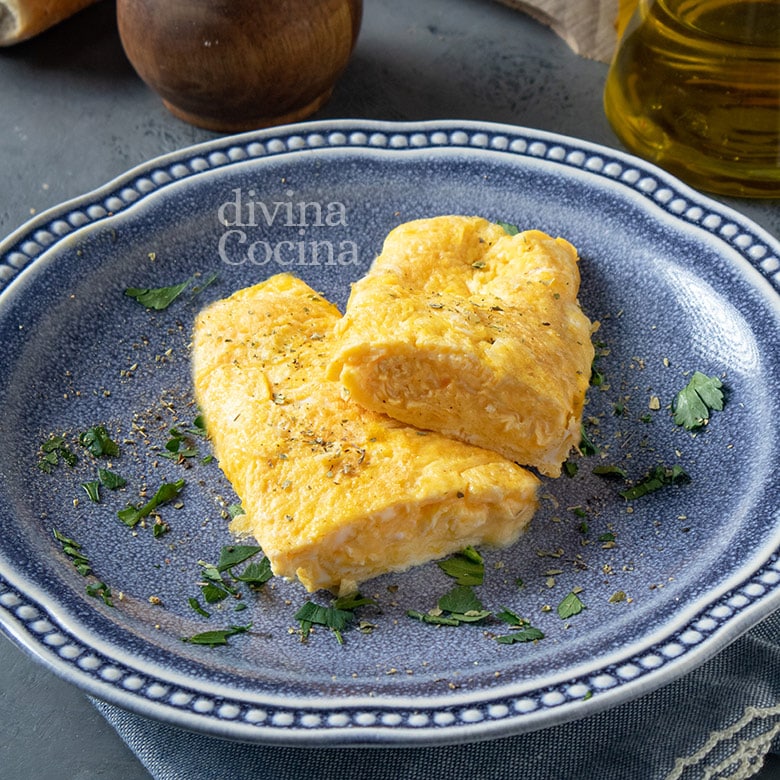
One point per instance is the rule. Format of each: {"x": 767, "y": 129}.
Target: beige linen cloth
{"x": 591, "y": 28}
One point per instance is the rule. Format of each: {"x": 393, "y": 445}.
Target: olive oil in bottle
{"x": 695, "y": 87}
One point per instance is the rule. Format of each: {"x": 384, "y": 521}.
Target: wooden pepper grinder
{"x": 234, "y": 65}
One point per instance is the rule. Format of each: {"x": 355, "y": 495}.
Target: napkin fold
{"x": 717, "y": 722}
{"x": 591, "y": 28}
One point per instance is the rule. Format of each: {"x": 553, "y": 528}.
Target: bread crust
{"x": 23, "y": 19}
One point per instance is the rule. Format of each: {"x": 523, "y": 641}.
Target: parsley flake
{"x": 459, "y": 605}
{"x": 111, "y": 479}
{"x": 522, "y": 630}
{"x": 100, "y": 590}
{"x": 529, "y": 634}
{"x": 311, "y": 614}
{"x": 92, "y": 489}
{"x": 461, "y": 600}
{"x": 587, "y": 446}
{"x": 157, "y": 297}
{"x": 509, "y": 228}
{"x": 610, "y": 471}
{"x": 131, "y": 515}
{"x": 694, "y": 402}
{"x": 234, "y": 554}
{"x": 466, "y": 567}
{"x": 510, "y": 617}
{"x": 655, "y": 479}
{"x": 337, "y": 617}
{"x": 256, "y": 574}
{"x": 433, "y": 617}
{"x": 54, "y": 450}
{"x": 216, "y": 637}
{"x": 98, "y": 442}
{"x": 570, "y": 605}
{"x": 72, "y": 549}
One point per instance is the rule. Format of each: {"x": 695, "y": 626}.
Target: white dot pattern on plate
{"x": 310, "y": 721}
{"x": 70, "y": 651}
{"x": 104, "y": 674}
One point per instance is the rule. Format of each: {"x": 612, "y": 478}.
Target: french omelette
{"x": 335, "y": 494}
{"x": 461, "y": 328}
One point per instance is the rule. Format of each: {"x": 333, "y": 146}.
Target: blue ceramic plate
{"x": 678, "y": 283}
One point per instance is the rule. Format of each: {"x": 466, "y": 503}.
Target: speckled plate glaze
{"x": 678, "y": 282}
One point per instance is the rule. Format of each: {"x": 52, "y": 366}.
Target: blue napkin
{"x": 719, "y": 721}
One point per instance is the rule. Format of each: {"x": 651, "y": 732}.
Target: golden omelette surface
{"x": 335, "y": 494}
{"x": 461, "y": 328}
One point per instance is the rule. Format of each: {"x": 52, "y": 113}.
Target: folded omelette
{"x": 463, "y": 329}
{"x": 333, "y": 492}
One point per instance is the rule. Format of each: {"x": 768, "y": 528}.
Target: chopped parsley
{"x": 466, "y": 567}
{"x": 216, "y": 637}
{"x": 100, "y": 590}
{"x": 213, "y": 276}
{"x": 693, "y": 403}
{"x": 92, "y": 489}
{"x": 570, "y": 605}
{"x": 213, "y": 586}
{"x": 522, "y": 630}
{"x": 459, "y": 605}
{"x": 529, "y": 634}
{"x": 352, "y": 601}
{"x": 337, "y": 617}
{"x": 232, "y": 555}
{"x": 610, "y": 471}
{"x": 597, "y": 378}
{"x": 196, "y": 605}
{"x": 98, "y": 442}
{"x": 509, "y": 228}
{"x": 131, "y": 515}
{"x": 181, "y": 445}
{"x": 106, "y": 478}
{"x": 570, "y": 468}
{"x": 256, "y": 573}
{"x": 434, "y": 617}
{"x": 587, "y": 447}
{"x": 54, "y": 450}
{"x": 218, "y": 582}
{"x": 655, "y": 479}
{"x": 198, "y": 427}
{"x": 463, "y": 604}
{"x": 111, "y": 479}
{"x": 157, "y": 297}
{"x": 73, "y": 550}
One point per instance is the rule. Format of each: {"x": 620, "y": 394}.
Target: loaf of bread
{"x": 22, "y": 19}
